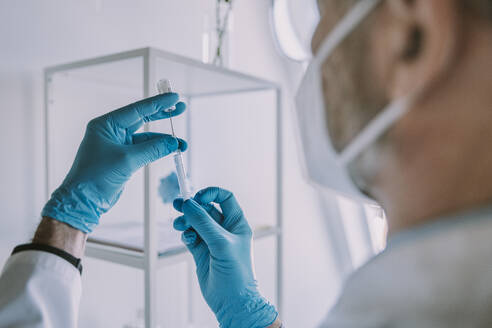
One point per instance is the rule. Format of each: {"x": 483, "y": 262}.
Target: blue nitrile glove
{"x": 109, "y": 154}
{"x": 220, "y": 243}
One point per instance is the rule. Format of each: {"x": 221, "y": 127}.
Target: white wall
{"x": 38, "y": 33}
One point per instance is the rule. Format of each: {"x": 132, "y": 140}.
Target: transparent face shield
{"x": 337, "y": 118}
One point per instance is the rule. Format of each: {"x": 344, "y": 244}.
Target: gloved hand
{"x": 109, "y": 154}
{"x": 220, "y": 243}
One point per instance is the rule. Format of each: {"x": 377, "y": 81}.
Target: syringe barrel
{"x": 163, "y": 87}
{"x": 184, "y": 185}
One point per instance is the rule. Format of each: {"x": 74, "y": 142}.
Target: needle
{"x": 172, "y": 126}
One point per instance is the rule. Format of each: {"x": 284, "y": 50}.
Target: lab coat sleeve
{"x": 39, "y": 289}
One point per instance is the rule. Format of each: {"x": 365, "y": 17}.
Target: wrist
{"x": 69, "y": 204}
{"x": 57, "y": 234}
{"x": 250, "y": 309}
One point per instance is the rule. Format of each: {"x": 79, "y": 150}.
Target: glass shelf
{"x": 119, "y": 250}
{"x": 191, "y": 77}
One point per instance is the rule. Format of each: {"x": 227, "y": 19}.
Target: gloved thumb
{"x": 208, "y": 229}
{"x": 149, "y": 147}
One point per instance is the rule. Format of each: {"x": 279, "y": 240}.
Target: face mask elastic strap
{"x": 355, "y": 16}
{"x": 375, "y": 129}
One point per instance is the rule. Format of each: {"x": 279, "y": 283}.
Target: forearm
{"x": 60, "y": 235}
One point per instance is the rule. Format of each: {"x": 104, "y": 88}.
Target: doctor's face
{"x": 351, "y": 91}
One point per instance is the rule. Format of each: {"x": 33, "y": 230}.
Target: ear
{"x": 423, "y": 37}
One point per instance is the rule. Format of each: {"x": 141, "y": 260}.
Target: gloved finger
{"x": 139, "y": 112}
{"x": 189, "y": 237}
{"x": 134, "y": 128}
{"x": 233, "y": 213}
{"x": 198, "y": 250}
{"x": 162, "y": 114}
{"x": 180, "y": 224}
{"x": 158, "y": 146}
{"x": 211, "y": 210}
{"x": 223, "y": 197}
{"x": 178, "y": 204}
{"x": 180, "y": 108}
{"x": 182, "y": 144}
{"x": 138, "y": 138}
{"x": 214, "y": 213}
{"x": 208, "y": 229}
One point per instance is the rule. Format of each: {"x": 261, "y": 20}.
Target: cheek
{"x": 343, "y": 92}
{"x": 380, "y": 59}
{"x": 321, "y": 32}
{"x": 329, "y": 19}
{"x": 351, "y": 92}
{"x": 337, "y": 86}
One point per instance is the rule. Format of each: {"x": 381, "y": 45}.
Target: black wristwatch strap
{"x": 50, "y": 249}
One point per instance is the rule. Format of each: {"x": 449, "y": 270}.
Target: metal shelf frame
{"x": 150, "y": 260}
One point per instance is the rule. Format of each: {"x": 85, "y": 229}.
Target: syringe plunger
{"x": 184, "y": 186}
{"x": 164, "y": 86}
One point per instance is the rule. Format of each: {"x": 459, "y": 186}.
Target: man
{"x": 408, "y": 113}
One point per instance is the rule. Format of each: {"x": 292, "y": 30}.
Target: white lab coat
{"x": 439, "y": 275}
{"x": 436, "y": 276}
{"x": 39, "y": 289}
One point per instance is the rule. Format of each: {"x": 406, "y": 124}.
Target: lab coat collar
{"x": 441, "y": 224}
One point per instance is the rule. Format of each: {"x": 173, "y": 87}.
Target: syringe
{"x": 164, "y": 86}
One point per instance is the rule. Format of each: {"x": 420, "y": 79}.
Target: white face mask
{"x": 325, "y": 167}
